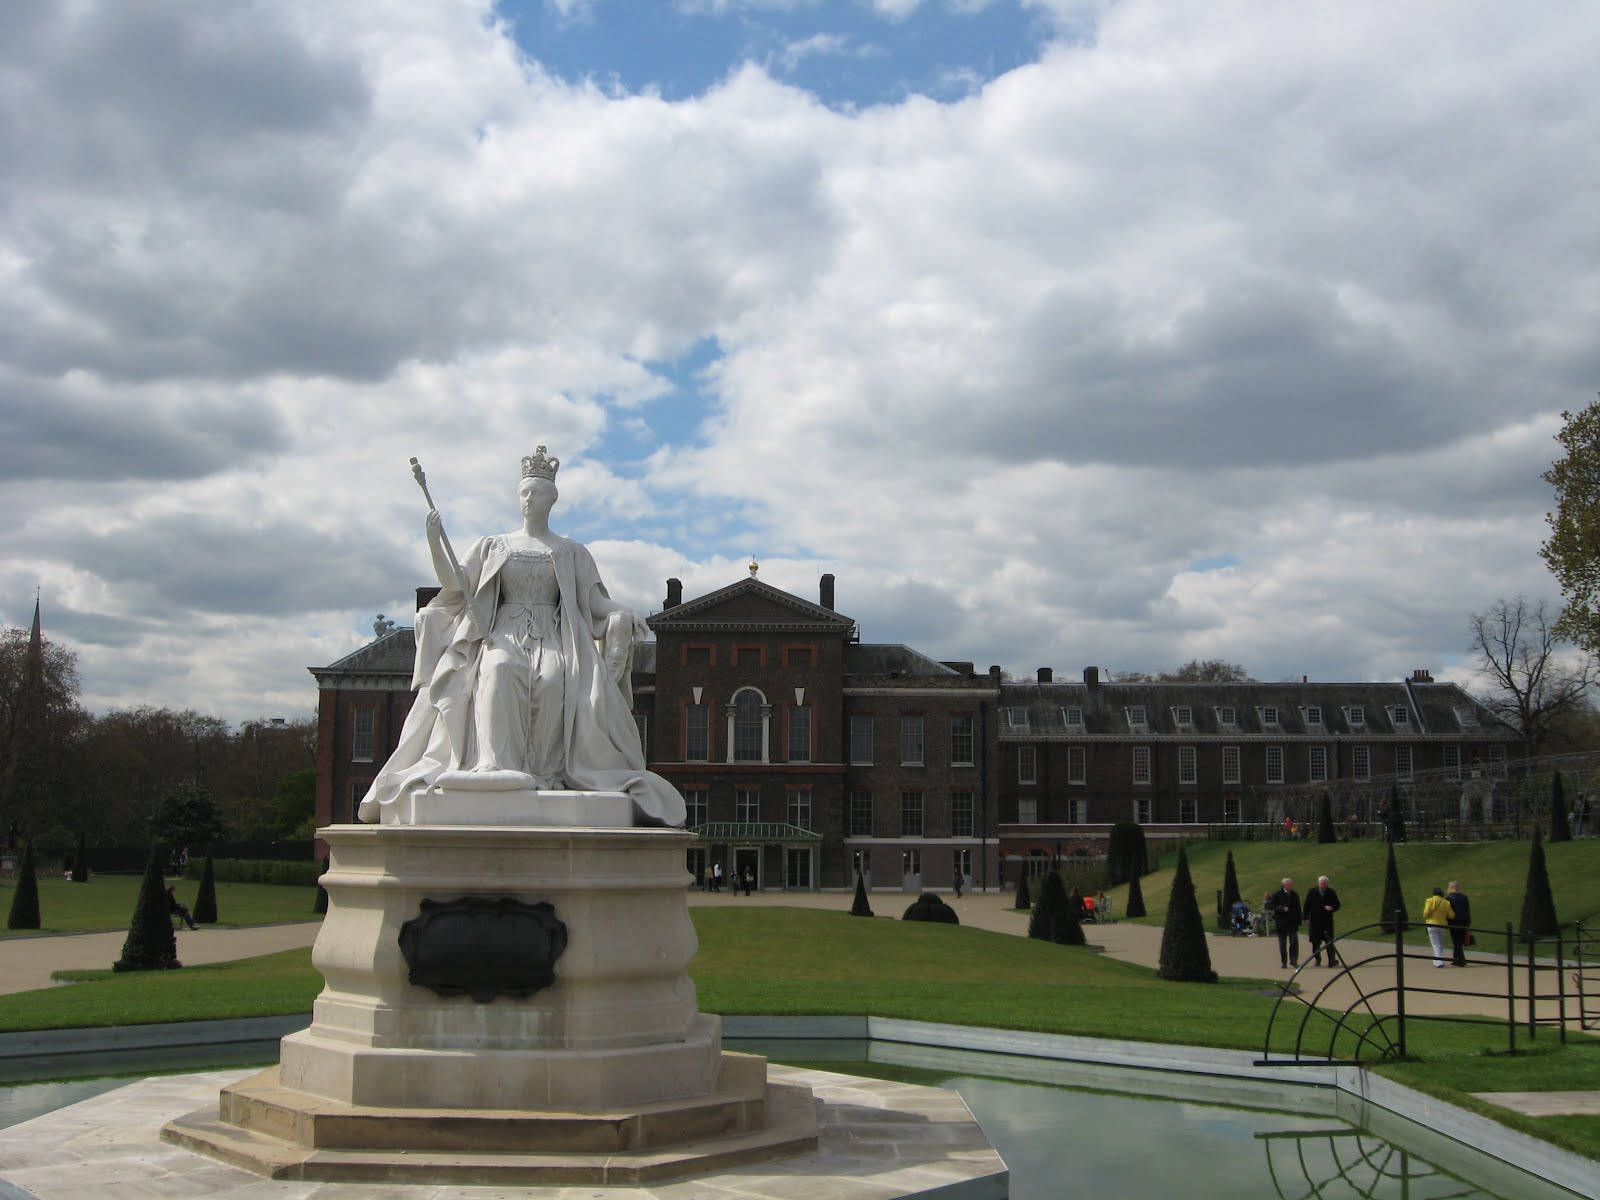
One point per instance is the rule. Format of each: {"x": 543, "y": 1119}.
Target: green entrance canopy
{"x": 755, "y": 833}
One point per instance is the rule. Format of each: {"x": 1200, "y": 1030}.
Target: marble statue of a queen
{"x": 522, "y": 675}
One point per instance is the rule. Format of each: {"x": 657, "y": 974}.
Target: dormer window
{"x": 1227, "y": 714}
{"x": 1072, "y": 718}
{"x": 1269, "y": 716}
{"x": 1356, "y": 715}
{"x": 1466, "y": 718}
{"x": 1313, "y": 714}
{"x": 1183, "y": 716}
{"x": 1400, "y": 716}
{"x": 1137, "y": 719}
{"x": 1017, "y": 719}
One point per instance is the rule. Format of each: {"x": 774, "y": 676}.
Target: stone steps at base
{"x": 791, "y": 1128}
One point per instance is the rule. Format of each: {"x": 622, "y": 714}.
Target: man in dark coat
{"x": 1284, "y": 905}
{"x": 1321, "y": 903}
{"x": 1460, "y": 920}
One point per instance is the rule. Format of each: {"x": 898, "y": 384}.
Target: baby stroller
{"x": 1240, "y": 919}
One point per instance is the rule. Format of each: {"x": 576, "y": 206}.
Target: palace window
{"x": 1269, "y": 716}
{"x": 1230, "y": 808}
{"x": 747, "y": 806}
{"x": 960, "y": 814}
{"x": 1076, "y": 759}
{"x": 1028, "y": 811}
{"x": 361, "y": 743}
{"x": 1183, "y": 716}
{"x": 1143, "y": 810}
{"x": 861, "y": 739}
{"x": 800, "y": 733}
{"x": 1274, "y": 764}
{"x": 1317, "y": 769}
{"x": 1399, "y": 715}
{"x": 1361, "y": 763}
{"x": 694, "y": 805}
{"x": 1230, "y": 764}
{"x": 1402, "y": 762}
{"x": 1188, "y": 771}
{"x": 860, "y": 814}
{"x": 696, "y": 733}
{"x": 1313, "y": 714}
{"x": 1027, "y": 764}
{"x": 910, "y": 814}
{"x": 911, "y": 741}
{"x": 748, "y": 726}
{"x": 1188, "y": 809}
{"x": 1141, "y": 766}
{"x": 1356, "y": 714}
{"x": 800, "y": 807}
{"x": 961, "y": 740}
{"x": 1072, "y": 718}
{"x": 1452, "y": 761}
{"x": 1227, "y": 714}
{"x": 1137, "y": 717}
{"x": 1017, "y": 719}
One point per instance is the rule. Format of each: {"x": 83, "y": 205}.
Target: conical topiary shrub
{"x": 150, "y": 945}
{"x": 1538, "y": 905}
{"x": 1560, "y": 827}
{"x": 1325, "y": 831}
{"x": 1395, "y": 821}
{"x": 321, "y": 905}
{"x": 1394, "y": 898}
{"x": 80, "y": 860}
{"x": 1053, "y": 918}
{"x": 859, "y": 906}
{"x": 1230, "y": 893}
{"x": 25, "y": 900}
{"x": 1126, "y": 855}
{"x": 1024, "y": 899}
{"x": 1184, "y": 954}
{"x": 205, "y": 904}
{"x": 1135, "y": 905}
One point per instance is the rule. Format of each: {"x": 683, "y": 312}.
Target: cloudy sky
{"x": 1060, "y": 332}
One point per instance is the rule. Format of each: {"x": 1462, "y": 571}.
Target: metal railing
{"x": 1361, "y": 1033}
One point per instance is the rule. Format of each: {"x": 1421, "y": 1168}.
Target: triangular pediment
{"x": 749, "y": 604}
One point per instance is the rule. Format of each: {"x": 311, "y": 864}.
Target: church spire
{"x": 33, "y": 669}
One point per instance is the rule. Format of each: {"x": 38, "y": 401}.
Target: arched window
{"x": 749, "y": 726}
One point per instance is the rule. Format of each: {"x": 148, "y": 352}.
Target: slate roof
{"x": 393, "y": 653}
{"x": 1431, "y": 710}
{"x": 891, "y": 658}
{"x": 703, "y": 609}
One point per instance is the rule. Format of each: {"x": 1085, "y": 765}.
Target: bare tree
{"x": 1517, "y": 647}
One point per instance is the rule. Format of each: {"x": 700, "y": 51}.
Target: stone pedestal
{"x": 610, "y": 1058}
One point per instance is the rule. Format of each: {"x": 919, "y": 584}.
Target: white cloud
{"x": 1297, "y": 290}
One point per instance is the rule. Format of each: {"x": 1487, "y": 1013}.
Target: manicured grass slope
{"x": 106, "y": 903}
{"x": 1491, "y": 873}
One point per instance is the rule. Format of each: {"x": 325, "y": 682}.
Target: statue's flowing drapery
{"x": 472, "y": 689}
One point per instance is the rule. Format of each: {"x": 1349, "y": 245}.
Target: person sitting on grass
{"x": 174, "y": 905}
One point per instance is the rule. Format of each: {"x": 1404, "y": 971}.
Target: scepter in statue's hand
{"x": 436, "y": 526}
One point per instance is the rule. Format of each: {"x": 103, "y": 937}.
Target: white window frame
{"x": 1361, "y": 763}
{"x": 1466, "y": 717}
{"x": 798, "y": 805}
{"x": 742, "y": 729}
{"x": 1231, "y": 808}
{"x": 1078, "y": 810}
{"x": 1017, "y": 719}
{"x": 860, "y": 738}
{"x": 1227, "y": 715}
{"x": 963, "y": 740}
{"x": 1027, "y": 810}
{"x": 1274, "y": 764}
{"x": 1077, "y": 766}
{"x": 696, "y": 806}
{"x": 1271, "y": 717}
{"x": 1141, "y": 766}
{"x": 861, "y": 806}
{"x": 1497, "y": 762}
{"x": 1313, "y": 714}
{"x": 1404, "y": 762}
{"x": 1188, "y": 765}
{"x": 1188, "y": 808}
{"x": 1027, "y": 765}
{"x": 913, "y": 740}
{"x": 1072, "y": 717}
{"x": 1232, "y": 765}
{"x": 1144, "y": 809}
{"x": 913, "y": 813}
{"x": 800, "y": 733}
{"x": 1399, "y": 715}
{"x": 1450, "y": 757}
{"x": 1138, "y": 716}
{"x": 362, "y": 732}
{"x": 1356, "y": 715}
{"x": 690, "y": 711}
{"x": 1317, "y": 764}
{"x": 1183, "y": 716}
{"x": 962, "y": 814}
{"x": 747, "y": 805}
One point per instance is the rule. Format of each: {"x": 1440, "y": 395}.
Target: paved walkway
{"x": 26, "y": 962}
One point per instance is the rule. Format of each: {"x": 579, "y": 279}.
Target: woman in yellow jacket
{"x": 1436, "y": 916}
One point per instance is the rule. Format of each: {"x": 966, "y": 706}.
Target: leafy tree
{"x": 25, "y": 900}
{"x": 1538, "y": 905}
{"x": 1053, "y": 917}
{"x": 1535, "y": 687}
{"x": 1394, "y": 898}
{"x": 1184, "y": 953}
{"x": 1230, "y": 892}
{"x": 1210, "y": 670}
{"x": 1572, "y": 551}
{"x": 295, "y": 802}
{"x": 151, "y": 944}
{"x": 859, "y": 906}
{"x": 205, "y": 903}
{"x": 1126, "y": 855}
{"x": 1560, "y": 828}
{"x": 1024, "y": 900}
{"x": 188, "y": 815}
{"x": 1135, "y": 905}
{"x": 39, "y": 716}
{"x": 1325, "y": 830}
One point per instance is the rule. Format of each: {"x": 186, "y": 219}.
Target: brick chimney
{"x": 1421, "y": 675}
{"x": 1046, "y": 675}
{"x": 825, "y": 593}
{"x": 1091, "y": 678}
{"x": 674, "y": 594}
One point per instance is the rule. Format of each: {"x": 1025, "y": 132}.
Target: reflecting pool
{"x": 1085, "y": 1130}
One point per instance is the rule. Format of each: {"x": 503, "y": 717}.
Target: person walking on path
{"x": 958, "y": 883}
{"x": 1321, "y": 903}
{"x": 1284, "y": 905}
{"x": 716, "y": 877}
{"x": 1460, "y": 923}
{"x": 1436, "y": 917}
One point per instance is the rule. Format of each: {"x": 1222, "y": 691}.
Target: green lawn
{"x": 1493, "y": 874}
{"x": 106, "y": 903}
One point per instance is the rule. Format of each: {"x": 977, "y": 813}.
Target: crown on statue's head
{"x": 537, "y": 465}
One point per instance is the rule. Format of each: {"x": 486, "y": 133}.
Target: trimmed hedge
{"x": 257, "y": 870}
{"x": 929, "y": 907}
